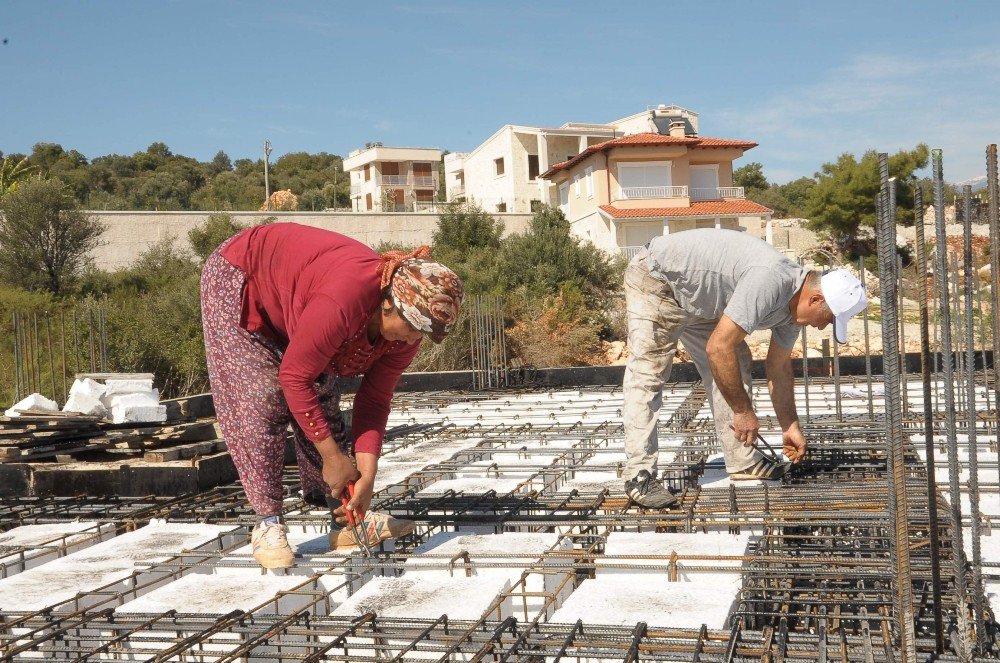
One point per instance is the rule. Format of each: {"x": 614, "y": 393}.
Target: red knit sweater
{"x": 313, "y": 292}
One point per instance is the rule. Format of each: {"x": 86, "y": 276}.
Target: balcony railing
{"x": 631, "y": 251}
{"x": 428, "y": 206}
{"x": 717, "y": 193}
{"x": 634, "y": 192}
{"x": 411, "y": 181}
{"x": 392, "y": 180}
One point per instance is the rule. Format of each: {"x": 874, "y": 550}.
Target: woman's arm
{"x": 371, "y": 403}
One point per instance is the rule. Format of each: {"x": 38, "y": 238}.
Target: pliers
{"x": 356, "y": 521}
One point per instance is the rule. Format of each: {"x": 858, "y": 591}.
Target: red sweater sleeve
{"x": 321, "y": 330}
{"x": 371, "y": 403}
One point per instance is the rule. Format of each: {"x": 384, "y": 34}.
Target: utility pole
{"x": 267, "y": 180}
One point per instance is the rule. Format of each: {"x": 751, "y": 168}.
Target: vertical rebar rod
{"x": 982, "y": 339}
{"x": 90, "y": 337}
{"x": 76, "y": 342}
{"x": 925, "y": 375}
{"x": 62, "y": 335}
{"x": 895, "y": 452}
{"x": 836, "y": 374}
{"x": 25, "y": 367}
{"x": 503, "y": 336}
{"x": 902, "y": 334}
{"x": 17, "y": 357}
{"x": 970, "y": 383}
{"x": 958, "y": 333}
{"x": 52, "y": 368}
{"x": 994, "y": 214}
{"x": 948, "y": 388}
{"x": 37, "y": 352}
{"x": 868, "y": 351}
{"x": 805, "y": 371}
{"x": 104, "y": 341}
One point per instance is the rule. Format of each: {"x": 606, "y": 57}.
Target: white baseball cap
{"x": 845, "y": 295}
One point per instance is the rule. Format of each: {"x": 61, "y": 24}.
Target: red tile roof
{"x": 701, "y": 208}
{"x": 650, "y": 139}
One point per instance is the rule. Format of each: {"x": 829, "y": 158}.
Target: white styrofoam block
{"x": 87, "y": 387}
{"x": 425, "y": 597}
{"x": 33, "y": 402}
{"x": 85, "y": 404}
{"x": 144, "y": 398}
{"x": 112, "y": 561}
{"x": 214, "y": 594}
{"x": 114, "y": 387}
{"x": 657, "y": 547}
{"x": 625, "y": 600}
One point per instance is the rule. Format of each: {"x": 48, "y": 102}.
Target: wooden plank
{"x": 183, "y": 451}
{"x": 115, "y": 376}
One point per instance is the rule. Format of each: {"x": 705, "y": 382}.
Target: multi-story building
{"x": 502, "y": 174}
{"x": 393, "y": 179}
{"x": 622, "y": 192}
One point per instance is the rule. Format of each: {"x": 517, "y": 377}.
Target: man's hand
{"x": 745, "y": 426}
{"x": 364, "y": 488}
{"x": 794, "y": 443}
{"x": 338, "y": 469}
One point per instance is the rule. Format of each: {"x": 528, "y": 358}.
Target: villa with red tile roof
{"x": 622, "y": 192}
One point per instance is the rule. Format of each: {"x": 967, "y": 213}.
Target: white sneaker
{"x": 270, "y": 546}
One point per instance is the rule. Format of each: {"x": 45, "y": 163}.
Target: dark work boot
{"x": 648, "y": 491}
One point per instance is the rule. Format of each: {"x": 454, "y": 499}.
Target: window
{"x": 564, "y": 194}
{"x": 532, "y": 166}
{"x": 576, "y": 185}
{"x": 368, "y": 202}
{"x": 368, "y": 174}
{"x": 422, "y": 169}
{"x": 390, "y": 168}
{"x": 649, "y": 179}
{"x": 498, "y": 166}
{"x": 501, "y": 207}
{"x": 536, "y": 205}
{"x": 590, "y": 181}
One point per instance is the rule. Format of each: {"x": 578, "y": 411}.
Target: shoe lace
{"x": 274, "y": 535}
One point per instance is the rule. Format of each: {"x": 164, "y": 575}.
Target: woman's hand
{"x": 364, "y": 488}
{"x": 338, "y": 469}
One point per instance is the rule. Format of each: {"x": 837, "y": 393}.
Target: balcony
{"x": 638, "y": 192}
{"x": 391, "y": 180}
{"x": 717, "y": 193}
{"x": 429, "y": 206}
{"x": 631, "y": 251}
{"x": 408, "y": 181}
{"x": 457, "y": 191}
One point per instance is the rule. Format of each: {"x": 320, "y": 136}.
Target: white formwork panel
{"x": 113, "y": 561}
{"x": 29, "y": 546}
{"x": 650, "y": 552}
{"x": 592, "y": 483}
{"x": 474, "y": 486}
{"x": 507, "y": 465}
{"x": 625, "y": 600}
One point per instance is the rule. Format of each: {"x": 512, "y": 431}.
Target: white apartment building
{"x": 502, "y": 174}
{"x": 393, "y": 179}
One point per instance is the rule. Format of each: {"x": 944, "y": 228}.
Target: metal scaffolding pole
{"x": 960, "y": 642}
{"x": 994, "y": 214}
{"x": 895, "y": 452}
{"x": 927, "y": 380}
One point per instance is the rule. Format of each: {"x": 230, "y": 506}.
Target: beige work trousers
{"x": 655, "y": 323}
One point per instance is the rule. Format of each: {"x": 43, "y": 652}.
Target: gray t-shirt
{"x": 717, "y": 272}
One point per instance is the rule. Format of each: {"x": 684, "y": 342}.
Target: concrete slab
{"x": 28, "y": 546}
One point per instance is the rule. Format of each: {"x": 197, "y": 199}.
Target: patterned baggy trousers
{"x": 249, "y": 402}
{"x": 655, "y": 322}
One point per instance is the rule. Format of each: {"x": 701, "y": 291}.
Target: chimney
{"x": 677, "y": 128}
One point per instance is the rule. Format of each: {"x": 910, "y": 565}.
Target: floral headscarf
{"x": 426, "y": 293}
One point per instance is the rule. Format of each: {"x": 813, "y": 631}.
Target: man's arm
{"x": 725, "y": 365}
{"x": 781, "y": 384}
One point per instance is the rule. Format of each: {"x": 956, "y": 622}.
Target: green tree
{"x": 208, "y": 236}
{"x": 547, "y": 259}
{"x": 843, "y": 200}
{"x": 312, "y": 200}
{"x": 44, "y": 237}
{"x": 466, "y": 226}
{"x": 750, "y": 177}
{"x": 12, "y": 171}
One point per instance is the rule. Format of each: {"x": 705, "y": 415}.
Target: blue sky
{"x": 807, "y": 80}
